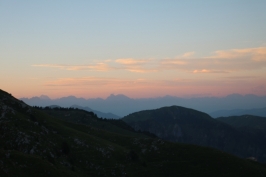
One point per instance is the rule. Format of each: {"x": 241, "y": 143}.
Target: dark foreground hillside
{"x": 179, "y": 124}
{"x": 251, "y": 126}
{"x": 35, "y": 143}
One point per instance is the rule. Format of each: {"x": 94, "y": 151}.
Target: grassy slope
{"x": 88, "y": 118}
{"x": 33, "y": 143}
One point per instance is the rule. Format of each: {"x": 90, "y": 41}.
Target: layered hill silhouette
{"x": 72, "y": 142}
{"x": 239, "y": 112}
{"x": 98, "y": 113}
{"x": 122, "y": 105}
{"x": 179, "y": 124}
{"x": 108, "y": 115}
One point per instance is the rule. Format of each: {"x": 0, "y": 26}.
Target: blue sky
{"x": 41, "y": 40}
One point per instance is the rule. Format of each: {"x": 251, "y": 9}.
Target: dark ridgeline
{"x": 179, "y": 124}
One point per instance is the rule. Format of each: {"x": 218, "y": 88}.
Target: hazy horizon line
{"x": 121, "y": 94}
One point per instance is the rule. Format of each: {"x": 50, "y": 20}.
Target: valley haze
{"x": 122, "y": 105}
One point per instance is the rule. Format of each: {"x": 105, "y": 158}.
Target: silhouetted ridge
{"x": 185, "y": 125}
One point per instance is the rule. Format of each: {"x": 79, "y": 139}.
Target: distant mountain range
{"x": 238, "y": 112}
{"x": 122, "y": 105}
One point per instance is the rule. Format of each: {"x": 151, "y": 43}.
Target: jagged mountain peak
{"x": 44, "y": 97}
{"x": 117, "y": 97}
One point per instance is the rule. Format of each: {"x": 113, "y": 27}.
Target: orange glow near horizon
{"x": 91, "y": 49}
{"x": 102, "y": 88}
{"x": 240, "y": 71}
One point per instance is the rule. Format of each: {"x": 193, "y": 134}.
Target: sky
{"x": 141, "y": 49}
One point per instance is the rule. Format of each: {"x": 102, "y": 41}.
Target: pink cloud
{"x": 149, "y": 88}
{"x": 223, "y": 61}
{"x": 188, "y": 54}
{"x": 97, "y": 67}
{"x": 209, "y": 71}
